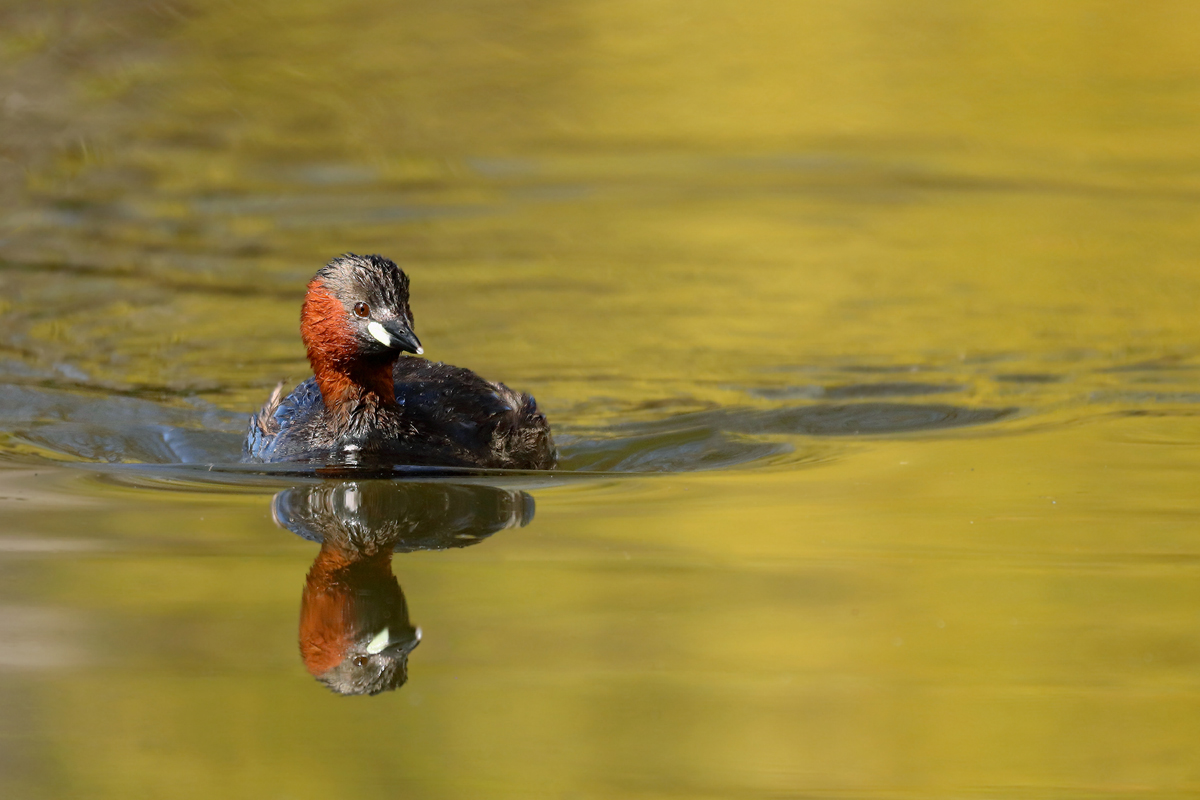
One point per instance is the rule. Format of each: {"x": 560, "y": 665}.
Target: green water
{"x": 868, "y": 331}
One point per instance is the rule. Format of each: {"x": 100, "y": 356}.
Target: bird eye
{"x": 361, "y": 310}
{"x": 361, "y": 661}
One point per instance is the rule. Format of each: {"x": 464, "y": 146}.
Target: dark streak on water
{"x": 855, "y": 391}
{"x": 61, "y": 425}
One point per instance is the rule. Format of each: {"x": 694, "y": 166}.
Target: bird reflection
{"x": 355, "y": 634}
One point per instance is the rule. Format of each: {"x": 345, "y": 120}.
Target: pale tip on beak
{"x": 377, "y": 644}
{"x": 380, "y": 333}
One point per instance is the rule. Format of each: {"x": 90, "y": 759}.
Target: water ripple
{"x": 66, "y": 426}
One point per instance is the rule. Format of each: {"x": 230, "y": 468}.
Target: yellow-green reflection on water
{"x": 636, "y": 210}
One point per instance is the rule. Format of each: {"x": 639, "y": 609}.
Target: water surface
{"x": 868, "y": 333}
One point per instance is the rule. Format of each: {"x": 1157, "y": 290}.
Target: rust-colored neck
{"x": 328, "y": 608}
{"x": 345, "y": 376}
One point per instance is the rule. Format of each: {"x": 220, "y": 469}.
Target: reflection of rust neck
{"x": 345, "y": 376}
{"x": 328, "y": 608}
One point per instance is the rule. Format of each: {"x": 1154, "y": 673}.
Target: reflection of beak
{"x": 407, "y": 644}
{"x": 405, "y": 641}
{"x": 395, "y": 333}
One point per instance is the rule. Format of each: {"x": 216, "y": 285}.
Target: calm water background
{"x": 873, "y": 326}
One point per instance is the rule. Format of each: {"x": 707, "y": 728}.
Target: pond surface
{"x": 868, "y": 332}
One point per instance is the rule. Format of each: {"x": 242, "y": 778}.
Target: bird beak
{"x": 395, "y": 333}
{"x": 403, "y": 640}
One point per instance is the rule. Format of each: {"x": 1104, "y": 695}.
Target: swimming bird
{"x": 367, "y": 405}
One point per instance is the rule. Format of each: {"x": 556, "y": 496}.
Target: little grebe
{"x": 367, "y": 405}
